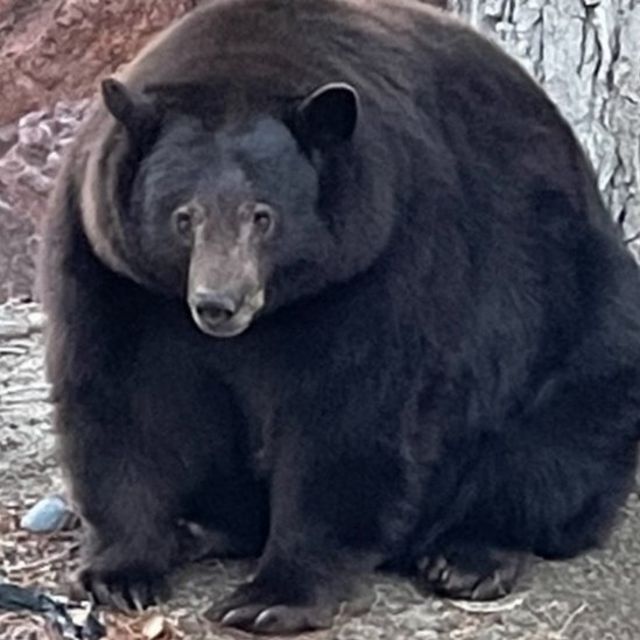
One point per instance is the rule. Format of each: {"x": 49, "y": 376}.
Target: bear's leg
{"x": 306, "y": 570}
{"x": 341, "y": 492}
{"x": 139, "y": 441}
{"x": 146, "y": 462}
{"x": 115, "y": 466}
{"x": 549, "y": 484}
{"x": 137, "y": 424}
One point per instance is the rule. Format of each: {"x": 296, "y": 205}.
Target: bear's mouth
{"x": 229, "y": 325}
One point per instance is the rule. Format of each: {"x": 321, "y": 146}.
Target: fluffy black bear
{"x": 332, "y": 279}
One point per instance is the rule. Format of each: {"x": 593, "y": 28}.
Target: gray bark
{"x": 586, "y": 54}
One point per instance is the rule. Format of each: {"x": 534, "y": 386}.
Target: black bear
{"x": 332, "y": 280}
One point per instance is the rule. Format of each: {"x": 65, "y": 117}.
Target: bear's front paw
{"x": 122, "y": 584}
{"x": 258, "y": 608}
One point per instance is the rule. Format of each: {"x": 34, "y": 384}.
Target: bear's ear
{"x": 139, "y": 115}
{"x": 327, "y": 115}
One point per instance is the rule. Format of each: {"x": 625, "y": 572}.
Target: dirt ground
{"x": 595, "y": 597}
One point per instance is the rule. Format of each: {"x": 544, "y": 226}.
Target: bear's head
{"x": 224, "y": 216}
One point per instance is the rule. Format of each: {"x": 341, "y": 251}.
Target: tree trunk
{"x": 586, "y": 54}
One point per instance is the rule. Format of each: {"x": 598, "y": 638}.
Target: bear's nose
{"x": 213, "y": 307}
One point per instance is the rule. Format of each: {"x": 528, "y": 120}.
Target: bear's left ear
{"x": 138, "y": 113}
{"x": 327, "y": 115}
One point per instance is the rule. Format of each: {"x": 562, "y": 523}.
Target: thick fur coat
{"x": 332, "y": 279}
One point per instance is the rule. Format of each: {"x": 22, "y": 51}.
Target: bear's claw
{"x": 471, "y": 572}
{"x": 246, "y": 610}
{"x": 124, "y": 589}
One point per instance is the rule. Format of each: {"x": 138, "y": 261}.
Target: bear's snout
{"x": 214, "y": 307}
{"x": 224, "y": 314}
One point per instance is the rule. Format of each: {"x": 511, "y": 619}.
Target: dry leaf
{"x": 154, "y": 627}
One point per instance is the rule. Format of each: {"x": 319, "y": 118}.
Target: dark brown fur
{"x": 450, "y": 380}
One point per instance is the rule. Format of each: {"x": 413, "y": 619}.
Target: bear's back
{"x": 285, "y": 47}
{"x": 423, "y": 77}
{"x": 425, "y": 80}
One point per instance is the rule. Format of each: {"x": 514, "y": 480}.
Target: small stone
{"x": 8, "y": 137}
{"x": 33, "y": 179}
{"x": 52, "y": 165}
{"x": 32, "y": 119}
{"x": 47, "y": 515}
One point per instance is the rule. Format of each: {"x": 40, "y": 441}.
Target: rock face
{"x": 30, "y": 153}
{"x": 53, "y": 52}
{"x": 56, "y": 49}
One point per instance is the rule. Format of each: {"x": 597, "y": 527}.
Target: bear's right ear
{"x": 137, "y": 113}
{"x": 328, "y": 115}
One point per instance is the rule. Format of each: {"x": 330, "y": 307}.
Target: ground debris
{"x": 64, "y": 619}
{"x": 491, "y": 606}
{"x": 593, "y": 596}
{"x": 149, "y": 626}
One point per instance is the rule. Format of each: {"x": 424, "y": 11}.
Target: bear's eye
{"x": 183, "y": 222}
{"x": 263, "y": 218}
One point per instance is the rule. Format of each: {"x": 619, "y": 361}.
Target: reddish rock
{"x": 52, "y": 54}
{"x": 30, "y": 154}
{"x": 54, "y": 50}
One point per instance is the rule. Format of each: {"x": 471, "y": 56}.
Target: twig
{"x": 37, "y": 386}
{"x": 572, "y": 616}
{"x": 10, "y": 330}
{"x": 16, "y": 402}
{"x": 47, "y": 560}
{"x": 13, "y": 351}
{"x": 11, "y": 396}
{"x": 633, "y": 238}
